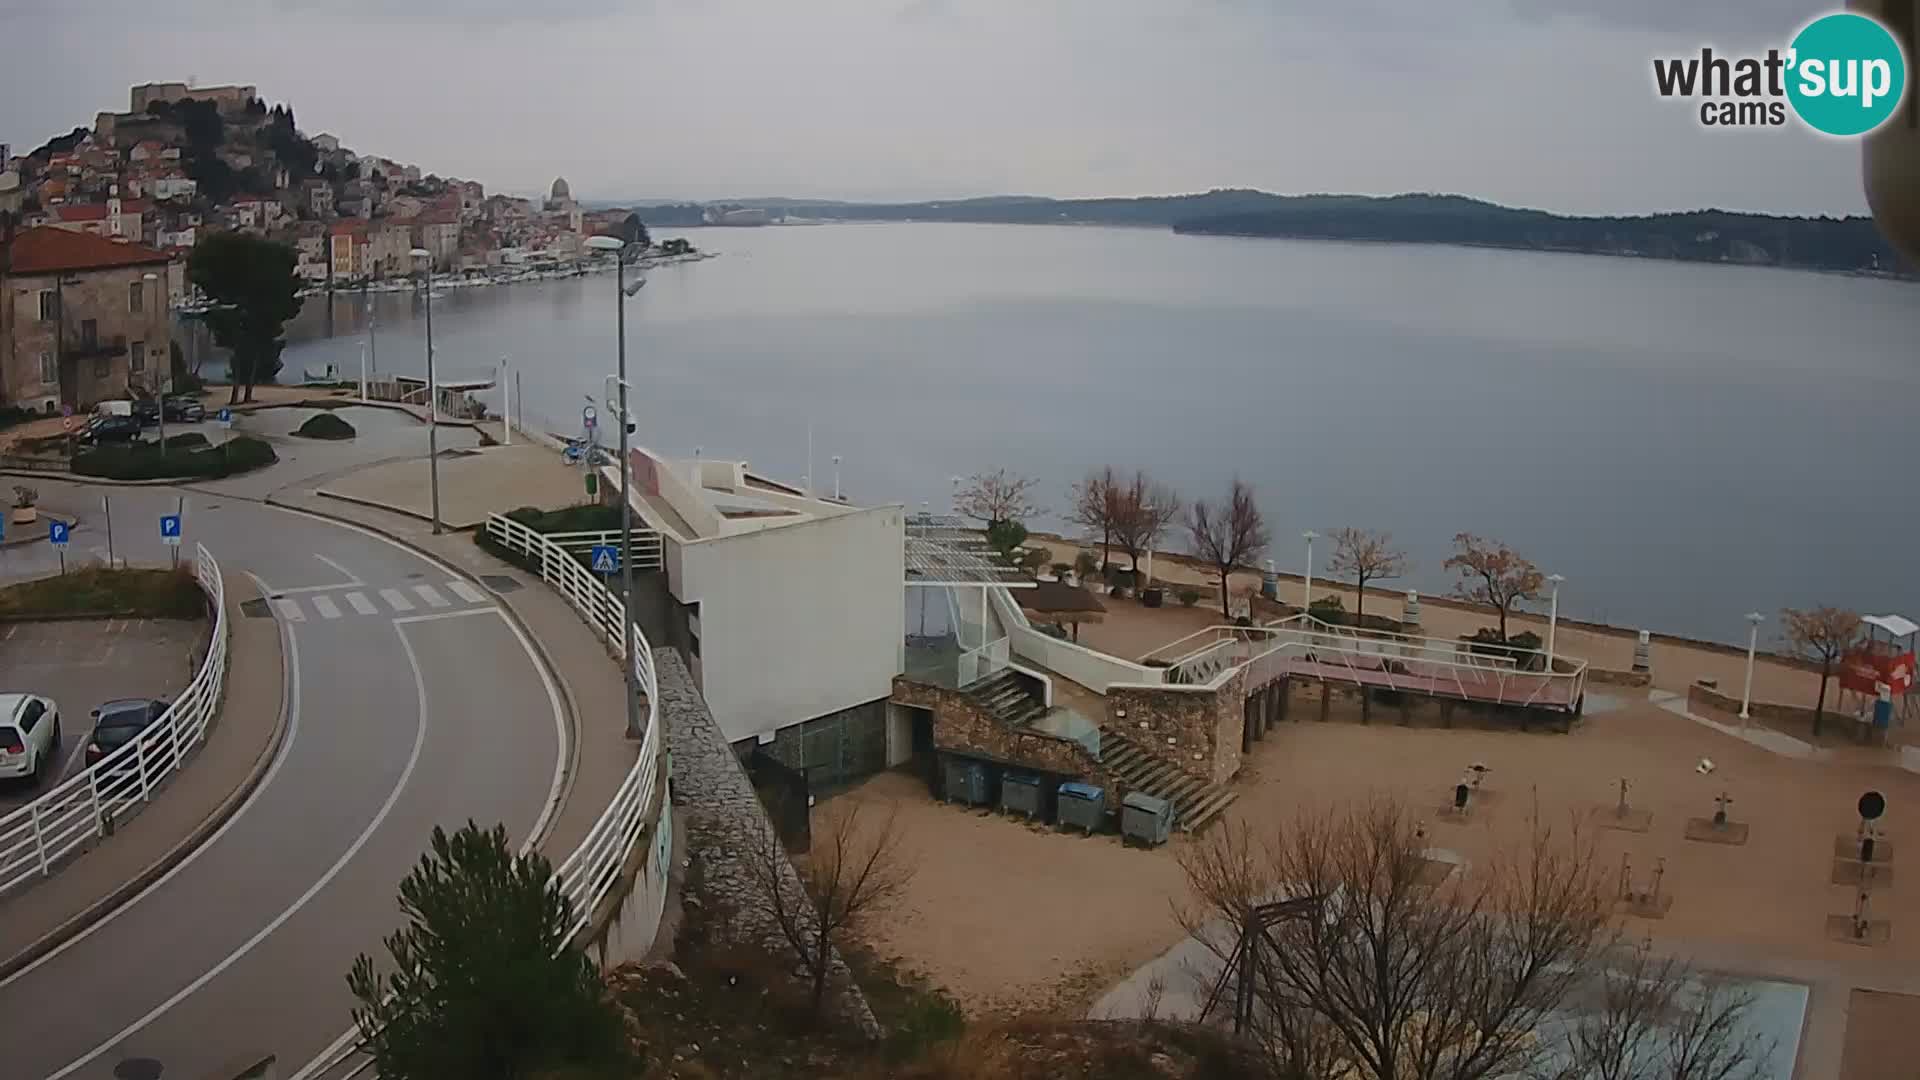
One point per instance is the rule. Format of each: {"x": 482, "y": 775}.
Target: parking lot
{"x": 80, "y": 664}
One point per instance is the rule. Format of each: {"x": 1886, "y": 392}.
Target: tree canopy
{"x": 252, "y": 284}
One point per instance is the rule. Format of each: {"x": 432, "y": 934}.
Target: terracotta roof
{"x": 47, "y": 250}
{"x": 81, "y": 212}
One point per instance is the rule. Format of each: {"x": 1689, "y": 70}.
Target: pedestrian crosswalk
{"x": 347, "y": 602}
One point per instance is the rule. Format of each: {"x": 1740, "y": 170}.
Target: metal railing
{"x": 587, "y": 875}
{"x": 984, "y": 661}
{"x": 646, "y": 545}
{"x": 35, "y": 837}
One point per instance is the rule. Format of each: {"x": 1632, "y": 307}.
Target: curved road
{"x": 412, "y": 701}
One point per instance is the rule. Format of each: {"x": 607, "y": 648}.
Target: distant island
{"x": 1842, "y": 244}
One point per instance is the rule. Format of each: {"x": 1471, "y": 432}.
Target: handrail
{"x": 588, "y": 874}
{"x": 34, "y": 838}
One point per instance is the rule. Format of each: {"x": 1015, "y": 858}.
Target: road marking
{"x": 432, "y": 596}
{"x": 289, "y": 701}
{"x": 352, "y": 578}
{"x": 361, "y": 604}
{"x": 396, "y": 599}
{"x": 290, "y": 610}
{"x": 247, "y": 946}
{"x": 326, "y": 607}
{"x": 438, "y": 615}
{"x": 467, "y": 592}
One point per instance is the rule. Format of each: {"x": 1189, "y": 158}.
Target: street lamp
{"x": 1553, "y": 617}
{"x": 1306, "y": 589}
{"x": 161, "y": 365}
{"x": 506, "y": 398}
{"x": 836, "y": 478}
{"x": 1754, "y": 619}
{"x": 621, "y": 292}
{"x": 425, "y": 259}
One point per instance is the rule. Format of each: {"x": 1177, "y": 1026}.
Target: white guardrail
{"x": 589, "y": 874}
{"x": 84, "y": 807}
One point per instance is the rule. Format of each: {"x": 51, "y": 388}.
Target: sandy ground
{"x": 1007, "y": 915}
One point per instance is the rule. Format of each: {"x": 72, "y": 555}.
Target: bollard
{"x": 1643, "y": 653}
{"x": 1270, "y": 582}
{"x": 1410, "y": 611}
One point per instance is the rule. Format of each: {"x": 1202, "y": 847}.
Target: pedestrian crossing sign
{"x": 606, "y": 558}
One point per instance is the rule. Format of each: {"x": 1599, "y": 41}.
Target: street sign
{"x": 170, "y": 529}
{"x": 57, "y": 532}
{"x": 589, "y": 418}
{"x": 606, "y": 558}
{"x": 70, "y": 424}
{"x": 225, "y": 416}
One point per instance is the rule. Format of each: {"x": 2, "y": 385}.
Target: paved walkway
{"x": 473, "y": 483}
{"x": 212, "y": 783}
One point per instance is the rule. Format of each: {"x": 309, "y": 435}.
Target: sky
{"x": 1540, "y": 103}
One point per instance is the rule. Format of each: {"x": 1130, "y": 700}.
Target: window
{"x": 49, "y": 305}
{"x": 49, "y": 371}
{"x": 102, "y": 366}
{"x": 137, "y": 358}
{"x": 137, "y": 296}
{"x": 89, "y": 333}
{"x": 30, "y": 716}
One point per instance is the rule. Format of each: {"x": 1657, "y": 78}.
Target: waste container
{"x": 1082, "y": 806}
{"x": 967, "y": 782}
{"x": 1021, "y": 793}
{"x": 1145, "y": 818}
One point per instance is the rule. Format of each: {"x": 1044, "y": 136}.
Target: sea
{"x": 1684, "y": 443}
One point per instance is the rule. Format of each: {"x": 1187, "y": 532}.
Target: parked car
{"x": 119, "y": 722}
{"x": 185, "y": 409}
{"x": 29, "y": 735}
{"x": 147, "y": 410}
{"x": 111, "y": 429}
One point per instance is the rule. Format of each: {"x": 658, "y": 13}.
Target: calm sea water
{"x": 1685, "y": 443}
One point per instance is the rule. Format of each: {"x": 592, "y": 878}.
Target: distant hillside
{"x": 1849, "y": 244}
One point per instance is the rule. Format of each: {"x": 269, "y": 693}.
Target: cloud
{"x": 1726, "y": 19}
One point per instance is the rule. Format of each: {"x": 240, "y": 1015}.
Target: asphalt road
{"x": 414, "y": 704}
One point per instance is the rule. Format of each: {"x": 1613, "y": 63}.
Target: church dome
{"x": 560, "y": 190}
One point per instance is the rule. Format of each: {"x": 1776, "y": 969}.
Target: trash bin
{"x": 1082, "y": 806}
{"x": 967, "y": 782}
{"x": 1021, "y": 793}
{"x": 1145, "y": 818}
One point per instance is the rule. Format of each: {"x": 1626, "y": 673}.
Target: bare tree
{"x": 852, "y": 868}
{"x": 1654, "y": 1018}
{"x": 1228, "y": 534}
{"x": 996, "y": 497}
{"x": 1364, "y": 556}
{"x": 1143, "y": 511}
{"x": 1491, "y": 574}
{"x": 1092, "y": 505}
{"x": 1822, "y": 634}
{"x": 1391, "y": 976}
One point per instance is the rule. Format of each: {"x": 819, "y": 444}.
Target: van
{"x": 119, "y": 407}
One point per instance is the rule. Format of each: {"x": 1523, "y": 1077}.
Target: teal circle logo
{"x": 1846, "y": 74}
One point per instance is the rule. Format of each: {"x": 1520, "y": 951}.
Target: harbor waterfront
{"x": 1685, "y": 442}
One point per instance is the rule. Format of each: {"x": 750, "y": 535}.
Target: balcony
{"x": 77, "y": 349}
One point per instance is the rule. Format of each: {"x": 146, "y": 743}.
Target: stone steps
{"x": 1008, "y": 699}
{"x": 1195, "y": 801}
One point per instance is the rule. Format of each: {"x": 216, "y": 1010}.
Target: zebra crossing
{"x": 351, "y": 601}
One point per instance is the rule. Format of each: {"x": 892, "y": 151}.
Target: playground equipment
{"x": 1647, "y": 903}
{"x": 1624, "y": 816}
{"x": 1877, "y": 676}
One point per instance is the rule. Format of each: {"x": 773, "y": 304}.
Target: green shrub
{"x": 1085, "y": 564}
{"x": 1329, "y": 609}
{"x": 1189, "y": 597}
{"x": 153, "y": 594}
{"x": 187, "y": 441}
{"x": 144, "y": 461}
{"x": 325, "y": 425}
{"x": 14, "y": 414}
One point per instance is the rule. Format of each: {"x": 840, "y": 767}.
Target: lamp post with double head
{"x": 1754, "y": 619}
{"x": 1306, "y": 587}
{"x": 1553, "y": 616}
{"x": 424, "y": 258}
{"x": 620, "y": 249}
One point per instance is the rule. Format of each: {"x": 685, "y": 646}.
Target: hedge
{"x": 152, "y": 594}
{"x": 325, "y": 425}
{"x": 144, "y": 461}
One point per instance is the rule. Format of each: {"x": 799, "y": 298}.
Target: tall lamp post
{"x": 161, "y": 366}
{"x": 1553, "y": 616}
{"x": 1306, "y": 587}
{"x": 425, "y": 259}
{"x": 1754, "y": 619}
{"x": 621, "y": 292}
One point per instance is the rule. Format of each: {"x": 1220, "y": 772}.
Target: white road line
{"x": 234, "y": 957}
{"x": 467, "y": 592}
{"x": 432, "y": 596}
{"x": 396, "y": 599}
{"x": 326, "y": 607}
{"x": 290, "y": 610}
{"x": 352, "y": 578}
{"x": 290, "y": 701}
{"x": 438, "y": 615}
{"x": 361, "y": 604}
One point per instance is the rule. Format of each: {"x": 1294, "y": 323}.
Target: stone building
{"x": 82, "y": 317}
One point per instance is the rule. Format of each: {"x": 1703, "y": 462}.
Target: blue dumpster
{"x": 1082, "y": 806}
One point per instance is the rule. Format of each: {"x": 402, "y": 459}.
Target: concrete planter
{"x": 24, "y": 515}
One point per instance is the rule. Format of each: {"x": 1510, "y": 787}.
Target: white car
{"x": 29, "y": 735}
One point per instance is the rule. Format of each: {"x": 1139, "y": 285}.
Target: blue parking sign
{"x": 170, "y": 529}
{"x": 606, "y": 559}
{"x": 225, "y": 416}
{"x": 57, "y": 532}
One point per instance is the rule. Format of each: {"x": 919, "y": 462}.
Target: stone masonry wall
{"x": 725, "y": 822}
{"x": 963, "y": 726}
{"x": 1197, "y": 731}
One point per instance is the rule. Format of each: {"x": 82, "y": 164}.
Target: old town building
{"x": 82, "y": 318}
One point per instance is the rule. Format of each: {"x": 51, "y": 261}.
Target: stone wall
{"x": 1197, "y": 731}
{"x": 963, "y": 726}
{"x": 1604, "y": 677}
{"x": 1707, "y": 699}
{"x": 725, "y": 822}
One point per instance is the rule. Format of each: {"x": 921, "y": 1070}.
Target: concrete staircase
{"x": 1195, "y": 802}
{"x": 1008, "y": 699}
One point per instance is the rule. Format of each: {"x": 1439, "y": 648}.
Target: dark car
{"x": 147, "y": 410}
{"x": 185, "y": 409}
{"x": 111, "y": 429}
{"x": 118, "y": 723}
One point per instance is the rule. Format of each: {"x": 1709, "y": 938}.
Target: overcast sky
{"x": 1545, "y": 103}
